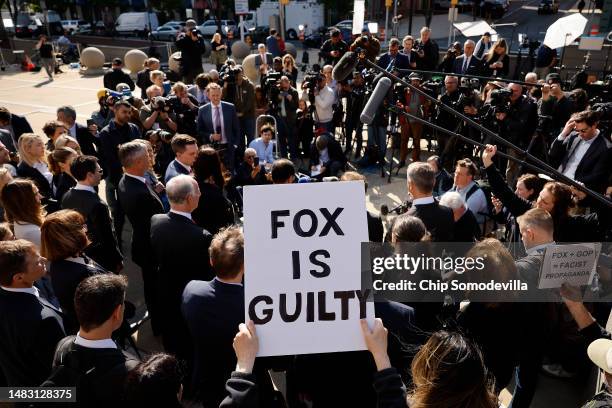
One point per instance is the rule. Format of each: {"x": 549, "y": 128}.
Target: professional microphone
{"x": 379, "y": 94}
{"x": 345, "y": 66}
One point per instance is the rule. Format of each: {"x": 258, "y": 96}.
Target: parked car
{"x": 73, "y": 26}
{"x": 258, "y": 34}
{"x": 347, "y": 25}
{"x": 497, "y": 7}
{"x": 27, "y": 26}
{"x": 315, "y": 40}
{"x": 548, "y": 7}
{"x": 136, "y": 23}
{"x": 174, "y": 23}
{"x": 165, "y": 33}
{"x": 446, "y": 4}
{"x": 210, "y": 27}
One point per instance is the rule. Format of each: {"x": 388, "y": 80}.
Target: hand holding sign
{"x": 376, "y": 340}
{"x": 246, "y": 345}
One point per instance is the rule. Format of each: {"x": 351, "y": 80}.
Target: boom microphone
{"x": 345, "y": 66}
{"x": 379, "y": 94}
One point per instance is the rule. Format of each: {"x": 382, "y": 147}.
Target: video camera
{"x": 500, "y": 100}
{"x": 310, "y": 83}
{"x": 271, "y": 88}
{"x": 161, "y": 104}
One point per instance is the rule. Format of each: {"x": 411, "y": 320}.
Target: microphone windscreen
{"x": 345, "y": 66}
{"x": 377, "y": 97}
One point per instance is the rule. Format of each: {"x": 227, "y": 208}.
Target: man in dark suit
{"x": 116, "y": 76}
{"x": 181, "y": 248}
{"x": 218, "y": 124}
{"x": 213, "y": 311}
{"x": 185, "y": 149}
{"x": 467, "y": 63}
{"x": 30, "y": 327}
{"x": 394, "y": 58}
{"x": 582, "y": 152}
{"x": 326, "y": 152}
{"x": 86, "y": 137}
{"x": 91, "y": 361}
{"x": 466, "y": 226}
{"x": 140, "y": 203}
{"x": 84, "y": 199}
{"x": 117, "y": 132}
{"x": 263, "y": 57}
{"x": 437, "y": 218}
{"x": 15, "y": 124}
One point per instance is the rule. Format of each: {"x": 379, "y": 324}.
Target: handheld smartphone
{"x": 90, "y": 122}
{"x": 255, "y": 161}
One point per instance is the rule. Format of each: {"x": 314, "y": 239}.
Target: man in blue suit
{"x": 394, "y": 59}
{"x": 185, "y": 149}
{"x": 467, "y": 63}
{"x": 218, "y": 125}
{"x": 213, "y": 311}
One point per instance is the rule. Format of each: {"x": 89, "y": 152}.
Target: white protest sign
{"x": 571, "y": 263}
{"x": 302, "y": 277}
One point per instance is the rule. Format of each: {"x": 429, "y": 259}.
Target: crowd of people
{"x": 174, "y": 162}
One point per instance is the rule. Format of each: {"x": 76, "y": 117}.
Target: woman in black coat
{"x": 63, "y": 240}
{"x": 59, "y": 163}
{"x": 214, "y": 210}
{"x": 33, "y": 165}
{"x": 496, "y": 62}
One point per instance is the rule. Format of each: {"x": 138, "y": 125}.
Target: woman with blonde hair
{"x": 68, "y": 141}
{"x": 289, "y": 69}
{"x": 5, "y": 178}
{"x": 59, "y": 163}
{"x": 63, "y": 242}
{"x": 496, "y": 62}
{"x": 33, "y": 165}
{"x": 218, "y": 55}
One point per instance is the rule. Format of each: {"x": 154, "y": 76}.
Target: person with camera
{"x": 251, "y": 172}
{"x": 240, "y": 91}
{"x": 264, "y": 146}
{"x": 354, "y": 106}
{"x": 192, "y": 48}
{"x": 333, "y": 48}
{"x": 322, "y": 97}
{"x": 286, "y": 108}
{"x": 157, "y": 113}
{"x": 555, "y": 104}
{"x": 185, "y": 108}
{"x": 517, "y": 125}
{"x": 427, "y": 51}
{"x": 105, "y": 113}
{"x": 416, "y": 105}
{"x": 443, "y": 118}
{"x": 394, "y": 60}
{"x": 368, "y": 43}
{"x": 448, "y": 61}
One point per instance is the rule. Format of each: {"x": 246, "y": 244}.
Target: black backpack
{"x": 486, "y": 189}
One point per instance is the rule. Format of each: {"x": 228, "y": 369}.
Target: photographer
{"x": 334, "y": 48}
{"x": 250, "y": 172}
{"x": 157, "y": 114}
{"x": 427, "y": 51}
{"x": 198, "y": 90}
{"x": 354, "y": 106}
{"x": 104, "y": 114}
{"x": 185, "y": 108}
{"x": 368, "y": 43}
{"x": 322, "y": 97}
{"x": 416, "y": 105}
{"x": 286, "y": 118}
{"x": 444, "y": 118}
{"x": 518, "y": 121}
{"x": 192, "y": 48}
{"x": 448, "y": 62}
{"x": 237, "y": 89}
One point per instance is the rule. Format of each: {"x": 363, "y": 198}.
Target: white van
{"x": 136, "y": 23}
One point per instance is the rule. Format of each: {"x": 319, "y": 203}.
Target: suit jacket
{"x": 594, "y": 168}
{"x": 174, "y": 169}
{"x": 20, "y": 126}
{"x": 7, "y": 140}
{"x": 193, "y": 91}
{"x": 181, "y": 248}
{"x": 466, "y": 228}
{"x": 110, "y": 139}
{"x": 231, "y": 127}
{"x": 103, "y": 249}
{"x": 65, "y": 277}
{"x": 108, "y": 368}
{"x": 401, "y": 61}
{"x": 62, "y": 183}
{"x": 444, "y": 182}
{"x": 258, "y": 61}
{"x": 375, "y": 228}
{"x": 30, "y": 328}
{"x": 140, "y": 203}
{"x": 437, "y": 218}
{"x": 87, "y": 141}
{"x": 472, "y": 69}
{"x": 334, "y": 151}
{"x": 213, "y": 310}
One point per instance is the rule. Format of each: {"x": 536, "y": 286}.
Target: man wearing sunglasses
{"x": 582, "y": 152}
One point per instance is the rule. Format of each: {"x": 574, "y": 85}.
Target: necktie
{"x": 465, "y": 65}
{"x": 217, "y": 120}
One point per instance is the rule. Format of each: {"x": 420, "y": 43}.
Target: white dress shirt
{"x": 212, "y": 111}
{"x": 423, "y": 200}
{"x": 72, "y": 130}
{"x": 83, "y": 187}
{"x": 94, "y": 344}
